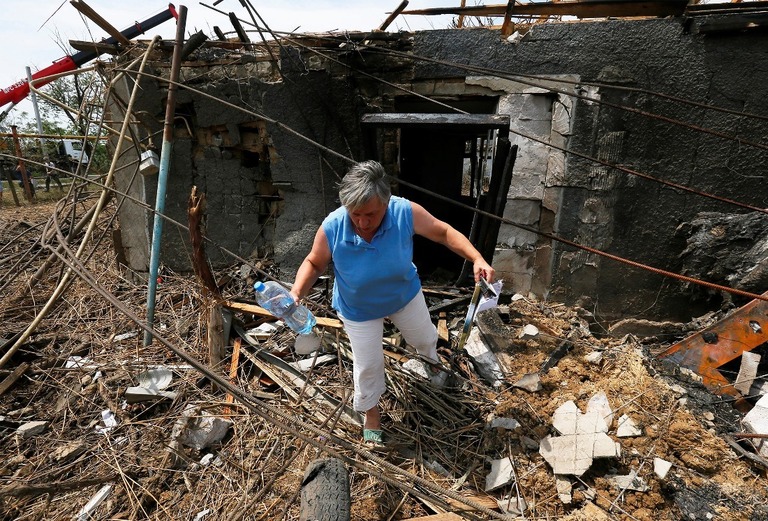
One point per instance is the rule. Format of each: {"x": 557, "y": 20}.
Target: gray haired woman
{"x": 370, "y": 241}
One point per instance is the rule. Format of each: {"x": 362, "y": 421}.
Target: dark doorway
{"x": 446, "y": 155}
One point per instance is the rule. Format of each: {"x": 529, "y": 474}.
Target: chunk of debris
{"x": 30, "y": 429}
{"x": 485, "y": 361}
{"x": 529, "y": 443}
{"x": 594, "y": 358}
{"x": 564, "y": 489}
{"x": 661, "y": 467}
{"x": 68, "y": 451}
{"x": 529, "y": 331}
{"x": 530, "y": 382}
{"x": 747, "y": 372}
{"x": 642, "y": 328}
{"x": 125, "y": 336}
{"x": 306, "y": 364}
{"x": 627, "y": 428}
{"x": 136, "y": 394}
{"x": 756, "y": 421}
{"x": 306, "y": 344}
{"x": 505, "y": 423}
{"x": 512, "y": 506}
{"x": 629, "y": 482}
{"x": 87, "y": 511}
{"x": 583, "y": 438}
{"x": 108, "y": 417}
{"x": 204, "y": 430}
{"x": 599, "y": 405}
{"x": 502, "y": 473}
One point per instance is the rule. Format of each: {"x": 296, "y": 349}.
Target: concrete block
{"x": 528, "y": 332}
{"x": 756, "y": 421}
{"x": 566, "y": 455}
{"x": 536, "y": 108}
{"x": 523, "y": 211}
{"x": 528, "y": 184}
{"x": 565, "y": 418}
{"x": 747, "y": 372}
{"x": 502, "y": 473}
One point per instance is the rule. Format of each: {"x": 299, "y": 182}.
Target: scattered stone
{"x": 564, "y": 489}
{"x": 502, "y": 473}
{"x": 528, "y": 332}
{"x": 709, "y": 416}
{"x": 517, "y": 296}
{"x": 629, "y": 482}
{"x": 530, "y": 382}
{"x": 30, "y": 429}
{"x": 204, "y": 430}
{"x": 627, "y": 428}
{"x": 661, "y": 467}
{"x": 529, "y": 443}
{"x": 594, "y": 358}
{"x": 679, "y": 390}
{"x": 505, "y": 423}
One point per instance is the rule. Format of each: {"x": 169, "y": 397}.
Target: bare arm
{"x": 315, "y": 263}
{"x": 427, "y": 225}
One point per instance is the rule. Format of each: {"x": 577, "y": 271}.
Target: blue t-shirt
{"x": 373, "y": 280}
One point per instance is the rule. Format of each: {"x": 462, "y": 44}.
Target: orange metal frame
{"x": 707, "y": 350}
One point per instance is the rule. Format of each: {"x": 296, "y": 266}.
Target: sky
{"x": 32, "y": 32}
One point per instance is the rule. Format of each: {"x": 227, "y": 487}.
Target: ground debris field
{"x": 78, "y": 441}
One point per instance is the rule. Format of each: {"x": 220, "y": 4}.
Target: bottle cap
{"x": 258, "y": 285}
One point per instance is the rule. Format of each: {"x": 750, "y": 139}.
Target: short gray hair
{"x": 364, "y": 181}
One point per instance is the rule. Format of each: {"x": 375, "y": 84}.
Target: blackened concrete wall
{"x": 270, "y": 205}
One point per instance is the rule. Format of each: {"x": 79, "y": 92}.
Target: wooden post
{"x": 24, "y": 177}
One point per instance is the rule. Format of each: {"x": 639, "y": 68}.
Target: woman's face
{"x": 367, "y": 218}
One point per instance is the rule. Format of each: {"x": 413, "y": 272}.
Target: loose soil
{"x": 436, "y": 437}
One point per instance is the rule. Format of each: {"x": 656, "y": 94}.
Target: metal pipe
{"x": 162, "y": 180}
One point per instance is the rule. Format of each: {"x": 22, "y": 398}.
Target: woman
{"x": 370, "y": 241}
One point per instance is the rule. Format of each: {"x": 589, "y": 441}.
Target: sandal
{"x": 375, "y": 436}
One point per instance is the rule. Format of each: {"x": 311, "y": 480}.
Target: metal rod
{"x": 162, "y": 181}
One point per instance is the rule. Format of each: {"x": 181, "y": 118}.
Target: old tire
{"x": 325, "y": 491}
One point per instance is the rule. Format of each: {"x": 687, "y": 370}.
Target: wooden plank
{"x": 233, "y": 372}
{"x": 11, "y": 378}
{"x": 448, "y": 516}
{"x": 258, "y": 310}
{"x": 442, "y": 327}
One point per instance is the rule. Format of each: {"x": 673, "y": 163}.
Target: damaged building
{"x": 608, "y": 156}
{"x": 622, "y": 133}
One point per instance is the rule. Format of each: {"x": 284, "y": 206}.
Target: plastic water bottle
{"x": 276, "y": 299}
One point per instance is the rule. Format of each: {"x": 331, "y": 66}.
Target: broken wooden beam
{"x": 258, "y": 310}
{"x": 96, "y": 18}
{"x": 584, "y": 9}
{"x": 11, "y": 378}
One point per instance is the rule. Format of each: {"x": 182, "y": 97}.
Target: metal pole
{"x": 162, "y": 179}
{"x": 33, "y": 96}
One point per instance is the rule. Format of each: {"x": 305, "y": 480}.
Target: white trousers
{"x": 366, "y": 339}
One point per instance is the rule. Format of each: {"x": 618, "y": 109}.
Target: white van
{"x": 72, "y": 150}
